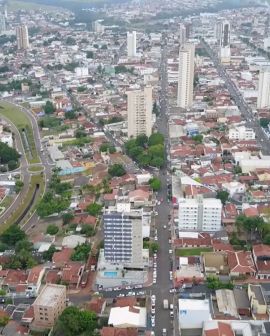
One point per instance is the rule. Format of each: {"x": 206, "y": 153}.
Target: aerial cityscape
{"x": 135, "y": 168}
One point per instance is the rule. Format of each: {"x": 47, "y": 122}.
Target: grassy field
{"x": 35, "y": 169}
{"x": 6, "y": 201}
{"x": 17, "y": 5}
{"x": 16, "y": 214}
{"x": 196, "y": 251}
{"x": 21, "y": 121}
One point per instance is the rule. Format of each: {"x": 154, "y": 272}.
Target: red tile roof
{"x": 111, "y": 331}
{"x": 241, "y": 262}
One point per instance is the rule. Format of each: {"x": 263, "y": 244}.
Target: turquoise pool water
{"x": 110, "y": 274}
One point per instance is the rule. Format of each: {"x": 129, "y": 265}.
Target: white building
{"x": 2, "y": 23}
{"x": 241, "y": 133}
{"x": 200, "y": 214}
{"x": 250, "y": 165}
{"x": 128, "y": 317}
{"x": 98, "y": 27}
{"x": 266, "y": 43}
{"x": 264, "y": 88}
{"x": 182, "y": 34}
{"x": 185, "y": 75}
{"x": 123, "y": 241}
{"x": 193, "y": 313}
{"x": 225, "y": 49}
{"x": 81, "y": 72}
{"x": 131, "y": 44}
{"x": 22, "y": 37}
{"x": 140, "y": 105}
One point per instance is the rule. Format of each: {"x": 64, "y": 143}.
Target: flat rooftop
{"x": 50, "y": 295}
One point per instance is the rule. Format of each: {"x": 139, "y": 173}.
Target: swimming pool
{"x": 110, "y": 274}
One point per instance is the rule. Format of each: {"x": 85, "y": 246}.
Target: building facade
{"x": 225, "y": 49}
{"x": 200, "y": 214}
{"x": 22, "y": 37}
{"x": 140, "y": 105}
{"x": 123, "y": 241}
{"x": 2, "y": 23}
{"x": 49, "y": 305}
{"x": 185, "y": 75}
{"x": 264, "y": 88}
{"x": 241, "y": 133}
{"x": 182, "y": 34}
{"x": 131, "y": 44}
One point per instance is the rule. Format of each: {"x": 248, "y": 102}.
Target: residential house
{"x": 129, "y": 316}
{"x": 241, "y": 264}
{"x": 257, "y": 302}
{"x": 242, "y": 302}
{"x": 97, "y": 305}
{"x": 34, "y": 279}
{"x": 62, "y": 257}
{"x": 215, "y": 263}
{"x": 261, "y": 256}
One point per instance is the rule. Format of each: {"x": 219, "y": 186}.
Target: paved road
{"x": 164, "y": 261}
{"x": 244, "y": 108}
{"x": 25, "y": 165}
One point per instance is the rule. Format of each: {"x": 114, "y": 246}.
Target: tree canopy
{"x": 155, "y": 183}
{"x": 75, "y": 322}
{"x": 8, "y": 154}
{"x": 94, "y": 209}
{"x": 223, "y": 195}
{"x": 81, "y": 252}
{"x": 49, "y": 108}
{"x": 117, "y": 170}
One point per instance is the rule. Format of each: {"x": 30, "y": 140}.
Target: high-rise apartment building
{"x": 131, "y": 44}
{"x": 139, "y": 110}
{"x": 49, "y": 305}
{"x": 225, "y": 49}
{"x": 185, "y": 75}
{"x": 182, "y": 34}
{"x": 22, "y": 37}
{"x": 200, "y": 214}
{"x": 123, "y": 241}
{"x": 2, "y": 23}
{"x": 263, "y": 100}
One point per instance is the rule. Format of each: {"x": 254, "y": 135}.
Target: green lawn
{"x": 21, "y": 121}
{"x": 35, "y": 168}
{"x": 196, "y": 251}
{"x": 15, "y": 215}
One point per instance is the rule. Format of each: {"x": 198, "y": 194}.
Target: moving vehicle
{"x": 164, "y": 332}
{"x": 165, "y": 304}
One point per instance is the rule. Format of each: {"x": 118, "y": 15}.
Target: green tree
{"x": 141, "y": 140}
{"x": 223, "y": 195}
{"x": 144, "y": 159}
{"x": 116, "y": 170}
{"x": 24, "y": 244}
{"x": 135, "y": 152}
{"x": 52, "y": 229}
{"x": 12, "y": 235}
{"x": 49, "y": 108}
{"x": 12, "y": 164}
{"x": 47, "y": 255}
{"x": 81, "y": 252}
{"x": 4, "y": 321}
{"x": 80, "y": 133}
{"x": 67, "y": 217}
{"x": 153, "y": 247}
{"x": 157, "y": 162}
{"x": 264, "y": 122}
{"x": 94, "y": 209}
{"x": 18, "y": 186}
{"x": 156, "y": 139}
{"x": 75, "y": 322}
{"x": 155, "y": 109}
{"x": 105, "y": 147}
{"x": 198, "y": 138}
{"x": 89, "y": 54}
{"x": 8, "y": 154}
{"x": 70, "y": 41}
{"x": 237, "y": 169}
{"x": 155, "y": 183}
{"x": 156, "y": 151}
{"x": 3, "y": 247}
{"x": 88, "y": 230}
{"x": 70, "y": 115}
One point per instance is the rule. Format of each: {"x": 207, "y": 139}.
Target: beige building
{"x": 257, "y": 300}
{"x": 49, "y": 305}
{"x": 185, "y": 75}
{"x": 140, "y": 105}
{"x": 22, "y": 37}
{"x": 263, "y": 100}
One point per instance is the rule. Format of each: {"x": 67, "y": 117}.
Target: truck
{"x": 165, "y": 304}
